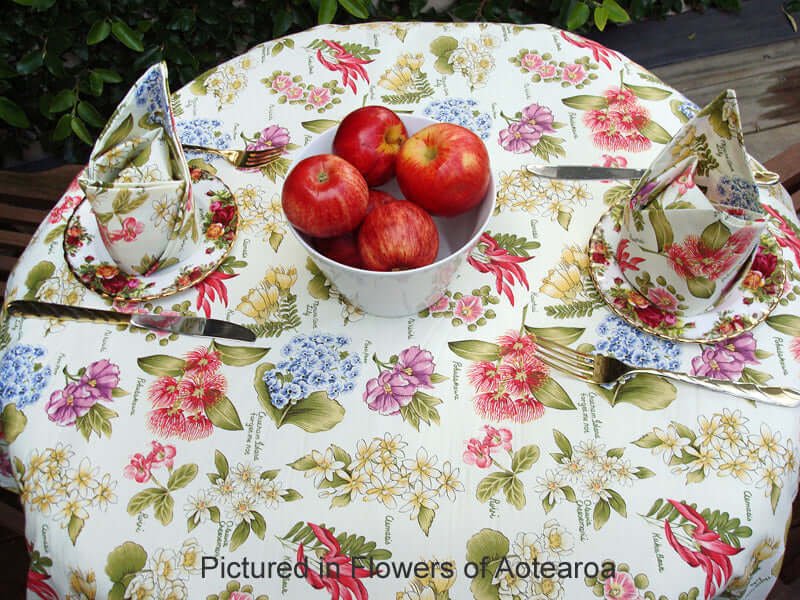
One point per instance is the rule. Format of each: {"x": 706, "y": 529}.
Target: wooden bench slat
{"x": 7, "y": 262}
{"x": 19, "y": 213}
{"x": 787, "y": 165}
{"x": 15, "y": 238}
{"x": 47, "y": 185}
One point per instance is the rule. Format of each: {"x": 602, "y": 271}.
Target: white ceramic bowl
{"x": 402, "y": 293}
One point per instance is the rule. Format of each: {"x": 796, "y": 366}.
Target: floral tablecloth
{"x": 431, "y": 449}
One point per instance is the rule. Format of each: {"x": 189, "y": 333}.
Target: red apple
{"x": 342, "y": 249}
{"x": 376, "y": 198}
{"x": 444, "y": 168}
{"x": 370, "y": 138}
{"x": 397, "y": 236}
{"x": 325, "y": 196}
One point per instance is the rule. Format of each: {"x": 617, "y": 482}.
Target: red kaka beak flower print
{"x": 207, "y": 287}
{"x": 349, "y": 66}
{"x": 708, "y": 552}
{"x": 489, "y": 257}
{"x": 343, "y": 580}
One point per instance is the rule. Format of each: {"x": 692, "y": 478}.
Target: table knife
{"x": 586, "y": 172}
{"x": 198, "y": 326}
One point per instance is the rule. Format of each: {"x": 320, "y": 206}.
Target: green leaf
{"x": 644, "y": 473}
{"x": 569, "y": 493}
{"x": 142, "y": 501}
{"x": 221, "y": 463}
{"x": 36, "y": 277}
{"x": 304, "y": 463}
{"x": 127, "y": 36}
{"x": 355, "y": 8}
{"x": 515, "y": 493}
{"x": 584, "y": 102}
{"x": 559, "y": 335}
{"x": 319, "y": 125}
{"x": 437, "y": 378}
{"x": 600, "y": 17}
{"x": 490, "y": 485}
{"x": 238, "y": 356}
{"x": 615, "y": 12}
{"x": 240, "y": 535}
{"x": 63, "y": 127}
{"x": 786, "y": 324}
{"x": 222, "y": 414}
{"x": 291, "y": 495}
{"x": 80, "y": 130}
{"x": 716, "y": 235}
{"x": 314, "y": 413}
{"x": 654, "y": 132}
{"x": 12, "y": 114}
{"x": 563, "y": 443}
{"x": 475, "y": 350}
{"x": 99, "y": 31}
{"x": 602, "y": 511}
{"x": 617, "y": 502}
{"x": 648, "y": 93}
{"x": 648, "y": 392}
{"x": 490, "y": 546}
{"x": 552, "y": 395}
{"x": 162, "y": 508}
{"x": 258, "y": 525}
{"x": 774, "y": 497}
{"x": 753, "y": 376}
{"x": 615, "y": 452}
{"x": 443, "y": 45}
{"x": 701, "y": 287}
{"x": 13, "y": 422}
{"x": 425, "y": 517}
{"x": 281, "y": 21}
{"x": 578, "y": 16}
{"x": 90, "y": 114}
{"x": 74, "y": 528}
{"x": 107, "y": 75}
{"x": 125, "y": 559}
{"x": 118, "y": 135}
{"x": 661, "y": 227}
{"x": 182, "y": 476}
{"x": 524, "y": 458}
{"x": 648, "y": 440}
{"x": 30, "y": 61}
{"x": 63, "y": 100}
{"x": 162, "y": 365}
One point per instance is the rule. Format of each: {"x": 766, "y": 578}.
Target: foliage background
{"x": 65, "y": 64}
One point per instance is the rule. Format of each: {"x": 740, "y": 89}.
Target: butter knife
{"x": 198, "y": 326}
{"x": 586, "y": 172}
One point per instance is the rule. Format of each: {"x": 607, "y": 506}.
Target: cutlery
{"x": 172, "y": 323}
{"x": 586, "y": 172}
{"x": 598, "y": 368}
{"x": 243, "y": 159}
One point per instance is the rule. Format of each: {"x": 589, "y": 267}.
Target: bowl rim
{"x": 490, "y": 191}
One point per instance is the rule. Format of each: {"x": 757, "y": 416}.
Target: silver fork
{"x": 598, "y": 368}
{"x": 243, "y": 159}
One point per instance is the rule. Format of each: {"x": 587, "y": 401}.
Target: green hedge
{"x": 65, "y": 64}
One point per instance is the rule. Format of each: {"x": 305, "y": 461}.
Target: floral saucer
{"x": 746, "y": 305}
{"x": 91, "y": 263}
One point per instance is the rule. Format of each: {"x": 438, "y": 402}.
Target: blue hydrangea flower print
{"x": 688, "y": 109}
{"x": 630, "y": 345}
{"x": 739, "y": 193}
{"x": 203, "y": 132}
{"x": 22, "y": 375}
{"x": 150, "y": 93}
{"x": 312, "y": 363}
{"x": 462, "y": 112}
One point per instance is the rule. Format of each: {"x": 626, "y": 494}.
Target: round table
{"x": 211, "y": 470}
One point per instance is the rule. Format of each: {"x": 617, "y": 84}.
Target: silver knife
{"x": 585, "y": 172}
{"x": 172, "y": 323}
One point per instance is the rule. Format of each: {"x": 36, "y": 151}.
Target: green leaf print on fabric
{"x": 490, "y": 546}
{"x": 360, "y": 550}
{"x": 13, "y": 422}
{"x": 122, "y": 565}
{"x": 36, "y": 277}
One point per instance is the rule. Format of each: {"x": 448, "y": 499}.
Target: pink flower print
{"x": 497, "y": 438}
{"x": 468, "y": 309}
{"x": 521, "y": 375}
{"x": 573, "y": 73}
{"x": 161, "y": 455}
{"x": 348, "y": 65}
{"x": 620, "y": 587}
{"x": 629, "y": 119}
{"x": 138, "y": 469}
{"x": 319, "y": 97}
{"x": 618, "y": 96}
{"x": 515, "y": 345}
{"x": 65, "y": 406}
{"x": 101, "y": 378}
{"x": 483, "y": 376}
{"x": 531, "y": 62}
{"x": 417, "y": 366}
{"x": 519, "y": 138}
{"x": 539, "y": 118}
{"x": 681, "y": 261}
{"x": 271, "y": 137}
{"x": 199, "y": 392}
{"x": 203, "y": 361}
{"x": 547, "y": 71}
{"x": 624, "y": 260}
{"x": 614, "y": 161}
{"x": 599, "y": 52}
{"x": 498, "y": 406}
{"x": 282, "y": 83}
{"x": 240, "y": 596}
{"x": 718, "y": 363}
{"x": 743, "y": 347}
{"x": 131, "y": 228}
{"x": 741, "y": 241}
{"x": 441, "y": 304}
{"x": 163, "y": 392}
{"x": 597, "y": 120}
{"x": 794, "y": 348}
{"x": 295, "y": 92}
{"x": 685, "y": 181}
{"x": 389, "y": 392}
{"x": 663, "y": 299}
{"x": 477, "y": 453}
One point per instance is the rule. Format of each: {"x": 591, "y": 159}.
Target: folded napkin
{"x": 138, "y": 183}
{"x": 695, "y": 218}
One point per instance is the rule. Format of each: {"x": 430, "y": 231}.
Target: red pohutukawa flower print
{"x": 693, "y": 258}
{"x": 707, "y": 550}
{"x": 489, "y": 257}
{"x": 618, "y": 126}
{"x": 347, "y": 64}
{"x": 336, "y": 572}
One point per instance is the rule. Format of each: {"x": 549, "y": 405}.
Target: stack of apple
{"x": 442, "y": 170}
